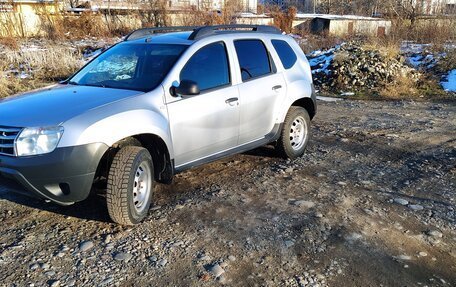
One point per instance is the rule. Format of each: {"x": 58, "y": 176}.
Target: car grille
{"x": 7, "y": 137}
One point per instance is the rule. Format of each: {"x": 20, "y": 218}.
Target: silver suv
{"x": 160, "y": 102}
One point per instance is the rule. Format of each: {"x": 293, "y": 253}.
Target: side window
{"x": 285, "y": 52}
{"x": 208, "y": 67}
{"x": 253, "y": 58}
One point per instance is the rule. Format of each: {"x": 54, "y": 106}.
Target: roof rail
{"x": 210, "y": 30}
{"x": 202, "y": 31}
{"x": 144, "y": 32}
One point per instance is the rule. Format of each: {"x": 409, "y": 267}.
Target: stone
{"x": 416, "y": 207}
{"x": 106, "y": 281}
{"x": 231, "y": 258}
{"x": 289, "y": 243}
{"x": 435, "y": 233}
{"x": 34, "y": 266}
{"x": 404, "y": 257}
{"x": 304, "y": 203}
{"x": 162, "y": 262}
{"x": 85, "y": 246}
{"x": 422, "y": 254}
{"x": 401, "y": 201}
{"x": 122, "y": 256}
{"x": 216, "y": 270}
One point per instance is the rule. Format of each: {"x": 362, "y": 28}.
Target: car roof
{"x": 188, "y": 35}
{"x": 166, "y": 38}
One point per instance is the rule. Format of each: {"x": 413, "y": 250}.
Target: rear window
{"x": 253, "y": 59}
{"x": 285, "y": 52}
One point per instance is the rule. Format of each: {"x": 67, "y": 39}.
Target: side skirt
{"x": 270, "y": 137}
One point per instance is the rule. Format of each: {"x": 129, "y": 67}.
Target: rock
{"x": 122, "y": 256}
{"x": 304, "y": 203}
{"x": 215, "y": 270}
{"x": 231, "y": 258}
{"x": 318, "y": 215}
{"x": 50, "y": 273}
{"x": 221, "y": 279}
{"x": 435, "y": 233}
{"x": 108, "y": 239}
{"x": 162, "y": 262}
{"x": 289, "y": 243}
{"x": 45, "y": 266}
{"x": 204, "y": 257}
{"x": 106, "y": 281}
{"x": 34, "y": 266}
{"x": 401, "y": 201}
{"x": 416, "y": 207}
{"x": 54, "y": 283}
{"x": 403, "y": 257}
{"x": 422, "y": 254}
{"x": 85, "y": 246}
{"x": 289, "y": 170}
{"x": 353, "y": 236}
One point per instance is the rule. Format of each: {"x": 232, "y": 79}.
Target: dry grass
{"x": 43, "y": 66}
{"x": 448, "y": 62}
{"x": 387, "y": 47}
{"x": 403, "y": 87}
{"x": 320, "y": 42}
{"x": 53, "y": 63}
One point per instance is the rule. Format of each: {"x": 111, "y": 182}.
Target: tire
{"x": 130, "y": 185}
{"x": 293, "y": 141}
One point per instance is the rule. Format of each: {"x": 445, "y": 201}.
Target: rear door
{"x": 208, "y": 123}
{"x": 260, "y": 91}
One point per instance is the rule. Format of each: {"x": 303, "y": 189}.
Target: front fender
{"x": 111, "y": 129}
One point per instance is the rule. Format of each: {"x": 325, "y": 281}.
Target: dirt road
{"x": 372, "y": 203}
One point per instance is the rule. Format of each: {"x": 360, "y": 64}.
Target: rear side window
{"x": 285, "y": 52}
{"x": 253, "y": 58}
{"x": 208, "y": 67}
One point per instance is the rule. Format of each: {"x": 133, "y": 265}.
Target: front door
{"x": 208, "y": 123}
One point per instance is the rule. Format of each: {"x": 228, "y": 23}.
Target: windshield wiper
{"x": 73, "y": 83}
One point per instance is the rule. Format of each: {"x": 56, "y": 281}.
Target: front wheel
{"x": 130, "y": 185}
{"x": 295, "y": 133}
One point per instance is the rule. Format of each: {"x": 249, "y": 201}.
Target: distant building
{"x": 338, "y": 25}
{"x": 209, "y": 5}
{"x": 23, "y": 17}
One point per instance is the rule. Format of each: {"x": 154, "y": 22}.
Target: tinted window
{"x": 285, "y": 52}
{"x": 253, "y": 58}
{"x": 130, "y": 66}
{"x": 208, "y": 67}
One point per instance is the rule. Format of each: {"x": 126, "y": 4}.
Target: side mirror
{"x": 185, "y": 88}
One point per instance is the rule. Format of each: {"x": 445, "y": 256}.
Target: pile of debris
{"x": 350, "y": 67}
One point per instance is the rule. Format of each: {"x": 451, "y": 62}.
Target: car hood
{"x": 56, "y": 104}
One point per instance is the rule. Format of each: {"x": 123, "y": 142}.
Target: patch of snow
{"x": 346, "y": 94}
{"x": 449, "y": 82}
{"x": 320, "y": 61}
{"x": 328, "y": 99}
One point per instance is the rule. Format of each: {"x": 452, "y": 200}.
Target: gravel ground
{"x": 371, "y": 203}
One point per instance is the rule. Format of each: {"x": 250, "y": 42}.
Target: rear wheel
{"x": 130, "y": 185}
{"x": 295, "y": 133}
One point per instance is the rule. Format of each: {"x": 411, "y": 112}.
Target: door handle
{"x": 275, "y": 88}
{"x": 231, "y": 101}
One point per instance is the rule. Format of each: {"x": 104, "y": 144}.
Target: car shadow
{"x": 92, "y": 208}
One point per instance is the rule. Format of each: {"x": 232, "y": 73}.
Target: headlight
{"x": 34, "y": 141}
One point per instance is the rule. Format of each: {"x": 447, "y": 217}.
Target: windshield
{"x": 134, "y": 66}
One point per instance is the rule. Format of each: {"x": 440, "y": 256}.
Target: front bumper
{"x": 64, "y": 176}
